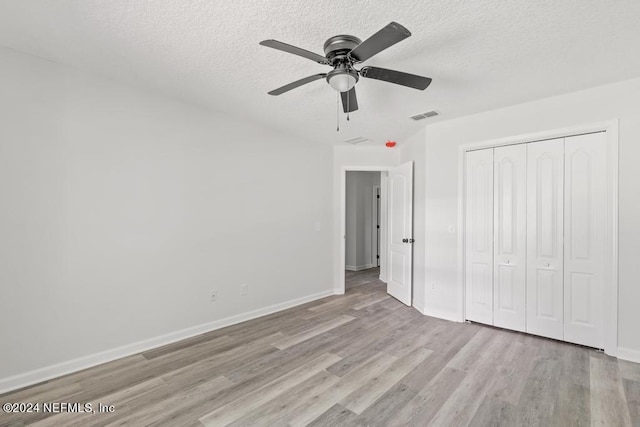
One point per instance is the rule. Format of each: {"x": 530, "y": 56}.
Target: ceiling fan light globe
{"x": 342, "y": 82}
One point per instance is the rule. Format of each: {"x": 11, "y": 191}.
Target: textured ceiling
{"x": 481, "y": 54}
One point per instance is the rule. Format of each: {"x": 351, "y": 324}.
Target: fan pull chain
{"x": 338, "y": 113}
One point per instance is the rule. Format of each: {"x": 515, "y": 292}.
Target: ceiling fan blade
{"x": 349, "y": 100}
{"x": 297, "y": 83}
{"x": 275, "y": 44}
{"x": 397, "y": 77}
{"x": 386, "y": 37}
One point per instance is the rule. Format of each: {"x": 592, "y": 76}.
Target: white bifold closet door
{"x": 510, "y": 235}
{"x": 545, "y": 221}
{"x": 585, "y": 201}
{"x": 535, "y": 237}
{"x": 479, "y": 236}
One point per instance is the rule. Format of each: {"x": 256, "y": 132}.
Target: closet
{"x": 534, "y": 240}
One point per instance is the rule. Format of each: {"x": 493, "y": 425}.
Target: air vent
{"x": 424, "y": 115}
{"x": 357, "y": 141}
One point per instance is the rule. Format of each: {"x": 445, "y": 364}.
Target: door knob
{"x": 507, "y": 261}
{"x": 411, "y": 240}
{"x": 405, "y": 240}
{"x": 547, "y": 264}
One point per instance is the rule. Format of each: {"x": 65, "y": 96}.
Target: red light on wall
{"x": 390, "y": 144}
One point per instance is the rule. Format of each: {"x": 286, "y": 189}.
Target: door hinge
{"x": 377, "y": 196}
{"x": 377, "y": 226}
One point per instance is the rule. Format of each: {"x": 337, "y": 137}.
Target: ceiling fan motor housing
{"x": 337, "y": 48}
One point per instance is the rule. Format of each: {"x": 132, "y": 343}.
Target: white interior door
{"x": 510, "y": 233}
{"x": 545, "y": 220}
{"x": 584, "y": 231}
{"x": 479, "y": 236}
{"x": 400, "y": 243}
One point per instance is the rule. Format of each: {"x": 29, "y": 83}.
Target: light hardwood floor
{"x": 358, "y": 359}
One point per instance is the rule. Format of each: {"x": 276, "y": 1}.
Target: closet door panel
{"x": 479, "y": 236}
{"x": 584, "y": 230}
{"x": 545, "y": 220}
{"x": 510, "y": 228}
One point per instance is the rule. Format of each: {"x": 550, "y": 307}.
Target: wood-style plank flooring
{"x": 353, "y": 360}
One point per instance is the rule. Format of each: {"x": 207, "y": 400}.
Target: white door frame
{"x": 611, "y": 240}
{"x": 340, "y": 288}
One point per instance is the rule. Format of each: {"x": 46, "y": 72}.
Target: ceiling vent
{"x": 424, "y": 115}
{"x": 357, "y": 141}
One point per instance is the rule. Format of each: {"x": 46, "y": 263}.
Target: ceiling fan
{"x": 342, "y": 52}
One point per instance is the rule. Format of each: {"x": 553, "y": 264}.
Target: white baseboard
{"x": 441, "y": 314}
{"x": 53, "y": 371}
{"x": 359, "y": 267}
{"x": 629, "y": 354}
{"x": 420, "y": 308}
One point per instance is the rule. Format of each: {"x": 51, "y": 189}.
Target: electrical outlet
{"x": 244, "y": 289}
{"x": 214, "y": 296}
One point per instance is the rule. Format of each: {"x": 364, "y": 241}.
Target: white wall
{"x": 594, "y": 105}
{"x": 359, "y": 219}
{"x": 122, "y": 211}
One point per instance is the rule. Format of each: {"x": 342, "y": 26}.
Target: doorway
{"x": 361, "y": 225}
{"x": 341, "y": 264}
{"x": 396, "y": 230}
{"x": 362, "y": 254}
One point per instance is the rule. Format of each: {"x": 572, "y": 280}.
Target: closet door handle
{"x": 506, "y": 261}
{"x": 546, "y": 264}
